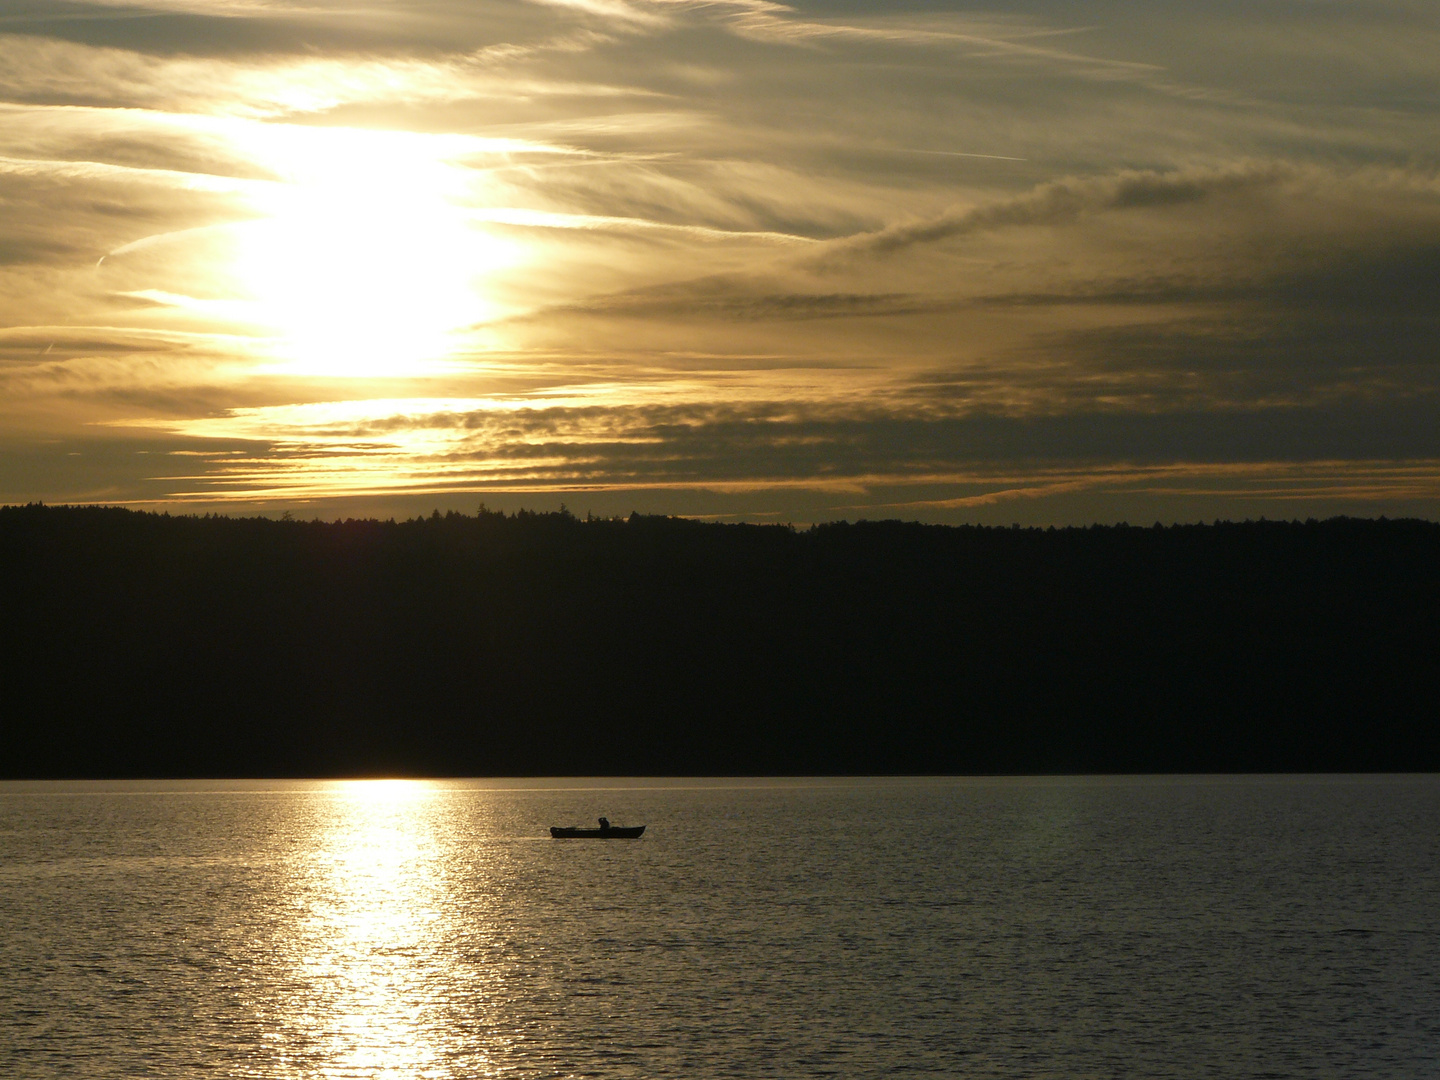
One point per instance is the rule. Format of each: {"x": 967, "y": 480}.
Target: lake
{"x": 976, "y": 927}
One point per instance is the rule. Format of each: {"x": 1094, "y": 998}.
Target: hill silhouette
{"x": 137, "y": 644}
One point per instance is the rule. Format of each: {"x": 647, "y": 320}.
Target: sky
{"x": 1034, "y": 262}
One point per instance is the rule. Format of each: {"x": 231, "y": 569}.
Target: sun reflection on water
{"x": 369, "y": 938}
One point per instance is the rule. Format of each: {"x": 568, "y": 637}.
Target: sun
{"x": 364, "y": 262}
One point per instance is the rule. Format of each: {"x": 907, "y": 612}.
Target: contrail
{"x": 959, "y": 153}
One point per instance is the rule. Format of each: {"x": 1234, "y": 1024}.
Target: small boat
{"x": 605, "y": 832}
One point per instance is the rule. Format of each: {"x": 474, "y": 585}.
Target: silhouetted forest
{"x": 139, "y": 644}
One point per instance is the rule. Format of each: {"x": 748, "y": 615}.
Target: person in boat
{"x": 604, "y": 824}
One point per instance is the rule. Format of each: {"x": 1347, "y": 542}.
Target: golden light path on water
{"x": 370, "y": 951}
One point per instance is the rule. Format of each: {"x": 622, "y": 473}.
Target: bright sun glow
{"x": 384, "y": 791}
{"x": 365, "y": 262}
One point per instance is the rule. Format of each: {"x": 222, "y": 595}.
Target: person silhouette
{"x": 604, "y": 824}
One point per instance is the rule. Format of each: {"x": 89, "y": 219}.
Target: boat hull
{"x": 615, "y": 832}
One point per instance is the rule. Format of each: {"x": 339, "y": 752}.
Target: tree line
{"x": 141, "y": 644}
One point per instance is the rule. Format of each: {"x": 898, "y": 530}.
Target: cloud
{"x": 261, "y": 85}
{"x": 1063, "y": 202}
{"x": 766, "y": 20}
{"x": 622, "y": 11}
{"x": 932, "y": 258}
{"x": 731, "y": 299}
{"x": 428, "y": 445}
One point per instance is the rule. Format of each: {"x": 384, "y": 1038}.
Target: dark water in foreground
{"x": 1148, "y": 927}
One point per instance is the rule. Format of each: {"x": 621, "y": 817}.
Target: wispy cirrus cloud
{"x": 854, "y": 458}
{"x": 1252, "y": 195}
{"x": 263, "y": 86}
{"x": 748, "y": 257}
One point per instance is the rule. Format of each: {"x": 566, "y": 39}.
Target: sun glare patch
{"x": 366, "y": 263}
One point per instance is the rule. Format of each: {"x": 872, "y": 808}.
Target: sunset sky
{"x": 1038, "y": 262}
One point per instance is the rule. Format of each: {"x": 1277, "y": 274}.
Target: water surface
{"x": 1063, "y": 927}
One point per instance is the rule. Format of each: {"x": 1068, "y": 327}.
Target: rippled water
{"x": 1150, "y": 927}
